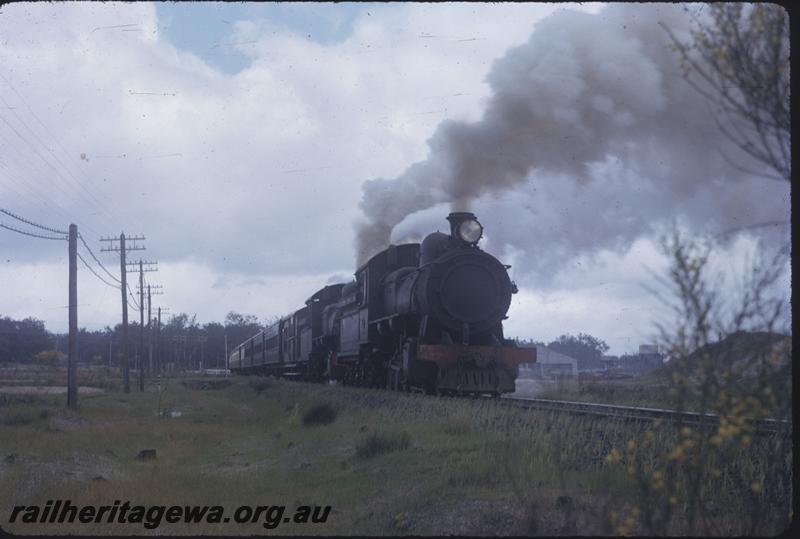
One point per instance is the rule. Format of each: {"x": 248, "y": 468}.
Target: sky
{"x": 260, "y": 148}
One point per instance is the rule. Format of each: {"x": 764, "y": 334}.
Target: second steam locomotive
{"x": 417, "y": 316}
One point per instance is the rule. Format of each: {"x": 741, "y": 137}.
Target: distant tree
{"x": 738, "y": 59}
{"x": 239, "y": 320}
{"x": 21, "y": 340}
{"x": 215, "y": 344}
{"x": 586, "y": 349}
{"x": 49, "y": 358}
{"x": 239, "y": 328}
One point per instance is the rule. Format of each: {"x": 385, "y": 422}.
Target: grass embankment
{"x": 387, "y": 463}
{"x": 650, "y": 391}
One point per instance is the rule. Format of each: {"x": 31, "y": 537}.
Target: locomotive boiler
{"x": 417, "y": 316}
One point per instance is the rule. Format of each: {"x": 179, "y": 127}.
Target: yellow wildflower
{"x": 613, "y": 456}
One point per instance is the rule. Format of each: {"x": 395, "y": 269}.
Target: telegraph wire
{"x": 37, "y": 225}
{"x": 98, "y": 261}
{"x": 66, "y": 153}
{"x": 39, "y": 155}
{"x": 33, "y": 192}
{"x": 41, "y": 172}
{"x": 133, "y": 297}
{"x": 91, "y": 196}
{"x": 32, "y": 234}
{"x": 95, "y": 273}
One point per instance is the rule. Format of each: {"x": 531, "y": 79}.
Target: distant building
{"x": 611, "y": 363}
{"x": 649, "y": 357}
{"x": 549, "y": 364}
{"x": 648, "y": 349}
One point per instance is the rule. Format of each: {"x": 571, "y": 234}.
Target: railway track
{"x": 637, "y": 413}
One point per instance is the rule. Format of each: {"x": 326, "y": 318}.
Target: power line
{"x": 109, "y": 200}
{"x": 33, "y": 192}
{"x": 89, "y": 195}
{"x": 26, "y": 221}
{"x": 18, "y": 231}
{"x": 40, "y": 156}
{"x": 95, "y": 273}
{"x": 70, "y": 196}
{"x": 96, "y": 260}
{"x": 132, "y": 296}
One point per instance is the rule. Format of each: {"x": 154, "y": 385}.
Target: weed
{"x": 381, "y": 443}
{"x": 319, "y": 414}
{"x": 260, "y": 384}
{"x": 18, "y": 419}
{"x": 8, "y": 400}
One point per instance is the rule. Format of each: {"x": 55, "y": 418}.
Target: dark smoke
{"x": 594, "y": 102}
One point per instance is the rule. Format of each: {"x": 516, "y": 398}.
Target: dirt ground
{"x": 47, "y": 390}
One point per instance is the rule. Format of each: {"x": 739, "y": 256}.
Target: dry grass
{"x": 389, "y": 464}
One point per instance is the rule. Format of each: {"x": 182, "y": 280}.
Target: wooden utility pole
{"x": 141, "y": 327}
{"x": 72, "y": 384}
{"x": 126, "y": 367}
{"x": 122, "y": 249}
{"x": 152, "y": 329}
{"x": 159, "y": 351}
{"x": 202, "y": 339}
{"x": 152, "y": 290}
{"x": 140, "y": 355}
{"x": 226, "y": 351}
{"x": 158, "y": 342}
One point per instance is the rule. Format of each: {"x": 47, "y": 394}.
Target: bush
{"x": 380, "y": 443}
{"x": 9, "y": 399}
{"x": 319, "y": 414}
{"x": 49, "y": 358}
{"x": 17, "y": 420}
{"x": 260, "y": 384}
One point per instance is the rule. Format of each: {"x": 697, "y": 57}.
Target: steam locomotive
{"x": 417, "y": 317}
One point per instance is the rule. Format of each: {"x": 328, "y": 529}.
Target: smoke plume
{"x": 592, "y": 105}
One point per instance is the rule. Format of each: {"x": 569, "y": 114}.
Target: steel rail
{"x": 638, "y": 413}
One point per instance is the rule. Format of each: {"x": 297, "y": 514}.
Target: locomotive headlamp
{"x": 470, "y": 231}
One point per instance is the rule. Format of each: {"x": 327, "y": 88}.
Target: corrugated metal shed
{"x": 549, "y": 364}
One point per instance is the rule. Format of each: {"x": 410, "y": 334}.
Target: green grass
{"x": 319, "y": 414}
{"x": 388, "y": 463}
{"x": 380, "y": 443}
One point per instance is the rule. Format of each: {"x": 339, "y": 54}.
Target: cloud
{"x": 590, "y": 138}
{"x": 247, "y": 184}
{"x": 238, "y": 170}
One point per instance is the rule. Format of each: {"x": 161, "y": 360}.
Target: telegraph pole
{"x": 150, "y": 338}
{"x": 159, "y": 360}
{"x": 141, "y": 328}
{"x": 126, "y": 373}
{"x": 72, "y": 386}
{"x": 140, "y": 355}
{"x": 202, "y": 339}
{"x": 152, "y": 290}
